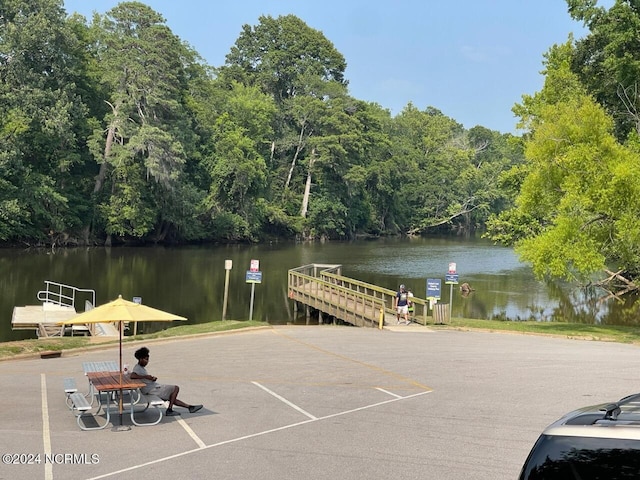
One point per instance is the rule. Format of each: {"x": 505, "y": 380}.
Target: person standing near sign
{"x": 401, "y": 304}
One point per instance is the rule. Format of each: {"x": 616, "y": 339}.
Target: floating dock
{"x": 58, "y": 305}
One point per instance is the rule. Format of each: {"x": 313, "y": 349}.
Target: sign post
{"x": 451, "y": 278}
{"x": 137, "y": 300}
{"x": 254, "y": 275}
{"x": 434, "y": 289}
{"x": 228, "y": 264}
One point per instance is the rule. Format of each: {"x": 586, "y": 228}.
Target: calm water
{"x": 189, "y": 281}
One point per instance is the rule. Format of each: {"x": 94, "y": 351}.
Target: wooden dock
{"x": 324, "y": 288}
{"x": 58, "y": 305}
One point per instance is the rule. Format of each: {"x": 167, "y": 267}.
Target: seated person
{"x": 168, "y": 393}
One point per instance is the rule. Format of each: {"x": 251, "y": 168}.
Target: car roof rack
{"x": 612, "y": 410}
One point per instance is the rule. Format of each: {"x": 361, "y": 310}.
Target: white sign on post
{"x": 255, "y": 266}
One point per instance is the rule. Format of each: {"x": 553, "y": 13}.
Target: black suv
{"x": 594, "y": 443}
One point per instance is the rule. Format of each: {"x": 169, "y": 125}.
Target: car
{"x": 601, "y": 442}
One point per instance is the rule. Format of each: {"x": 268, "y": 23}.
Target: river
{"x": 189, "y": 281}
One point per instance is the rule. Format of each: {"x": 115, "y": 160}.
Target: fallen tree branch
{"x": 616, "y": 286}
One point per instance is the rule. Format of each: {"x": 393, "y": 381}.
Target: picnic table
{"x": 89, "y": 367}
{"x": 108, "y": 366}
{"x": 111, "y": 387}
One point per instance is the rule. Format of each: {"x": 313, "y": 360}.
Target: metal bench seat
{"x": 150, "y": 401}
{"x": 69, "y": 388}
{"x": 80, "y": 404}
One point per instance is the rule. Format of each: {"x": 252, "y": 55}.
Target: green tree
{"x": 278, "y": 53}
{"x": 607, "y": 59}
{"x": 145, "y": 70}
{"x": 577, "y": 210}
{"x": 239, "y": 137}
{"x": 41, "y": 119}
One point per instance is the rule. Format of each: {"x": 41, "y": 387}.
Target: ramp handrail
{"x": 331, "y": 274}
{"x": 332, "y": 298}
{"x": 386, "y": 295}
{"x": 65, "y": 294}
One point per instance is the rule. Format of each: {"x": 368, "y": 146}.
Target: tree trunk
{"x": 307, "y": 187}
{"x": 111, "y": 133}
{"x": 299, "y": 148}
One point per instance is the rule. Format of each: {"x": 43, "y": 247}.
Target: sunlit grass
{"x": 568, "y": 330}
{"x": 36, "y": 346}
{"x": 609, "y": 333}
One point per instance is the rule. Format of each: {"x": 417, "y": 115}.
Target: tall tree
{"x": 238, "y": 147}
{"x": 302, "y": 71}
{"x": 145, "y": 71}
{"x": 607, "y": 59}
{"x": 41, "y": 119}
{"x": 278, "y": 53}
{"x": 577, "y": 210}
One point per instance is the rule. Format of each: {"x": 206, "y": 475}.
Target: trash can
{"x": 441, "y": 313}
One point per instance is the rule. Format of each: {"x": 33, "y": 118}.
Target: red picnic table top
{"x": 108, "y": 381}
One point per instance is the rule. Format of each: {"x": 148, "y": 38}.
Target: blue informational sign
{"x": 434, "y": 287}
{"x": 254, "y": 277}
{"x": 451, "y": 279}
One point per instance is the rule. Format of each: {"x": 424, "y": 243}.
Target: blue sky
{"x": 471, "y": 59}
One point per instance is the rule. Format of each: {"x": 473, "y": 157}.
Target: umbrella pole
{"x": 120, "y": 428}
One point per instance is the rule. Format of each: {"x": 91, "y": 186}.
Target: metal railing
{"x": 63, "y": 295}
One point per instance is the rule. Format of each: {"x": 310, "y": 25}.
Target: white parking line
{"x": 254, "y": 435}
{"x": 46, "y": 432}
{"x": 388, "y": 392}
{"x": 284, "y": 400}
{"x": 191, "y": 433}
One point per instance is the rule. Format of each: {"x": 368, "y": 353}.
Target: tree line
{"x": 114, "y": 130}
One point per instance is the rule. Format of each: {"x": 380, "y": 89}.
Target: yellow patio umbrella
{"x": 120, "y": 311}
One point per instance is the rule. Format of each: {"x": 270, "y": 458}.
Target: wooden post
{"x": 227, "y": 267}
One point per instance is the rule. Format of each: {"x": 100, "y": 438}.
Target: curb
{"x": 105, "y": 346}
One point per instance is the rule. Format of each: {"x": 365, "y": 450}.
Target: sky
{"x": 471, "y": 59}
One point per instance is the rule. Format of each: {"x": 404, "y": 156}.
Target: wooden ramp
{"x": 322, "y": 287}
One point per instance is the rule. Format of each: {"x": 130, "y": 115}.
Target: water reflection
{"x": 189, "y": 281}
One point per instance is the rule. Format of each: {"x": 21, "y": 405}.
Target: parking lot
{"x": 318, "y": 402}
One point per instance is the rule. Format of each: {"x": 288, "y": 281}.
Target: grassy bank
{"x": 605, "y": 333}
{"x": 35, "y": 346}
{"x": 567, "y": 330}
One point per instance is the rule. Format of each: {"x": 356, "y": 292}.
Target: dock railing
{"x": 322, "y": 286}
{"x": 386, "y": 295}
{"x": 66, "y": 296}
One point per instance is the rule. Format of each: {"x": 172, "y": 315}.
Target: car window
{"x": 581, "y": 458}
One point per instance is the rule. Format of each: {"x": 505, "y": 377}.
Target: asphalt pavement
{"x": 317, "y": 402}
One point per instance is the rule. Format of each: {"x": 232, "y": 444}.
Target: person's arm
{"x": 136, "y": 376}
